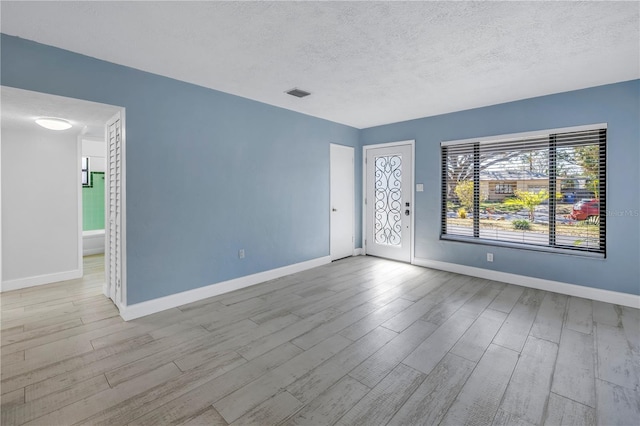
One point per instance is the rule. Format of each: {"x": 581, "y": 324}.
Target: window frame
{"x": 601, "y": 253}
{"x": 88, "y": 182}
{"x": 504, "y": 188}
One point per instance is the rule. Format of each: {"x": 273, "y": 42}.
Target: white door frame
{"x": 365, "y": 148}
{"x": 80, "y": 210}
{"x": 107, "y": 290}
{"x": 353, "y": 199}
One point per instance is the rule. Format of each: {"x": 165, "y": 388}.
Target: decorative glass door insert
{"x": 388, "y": 200}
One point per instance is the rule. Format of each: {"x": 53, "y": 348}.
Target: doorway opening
{"x": 50, "y": 173}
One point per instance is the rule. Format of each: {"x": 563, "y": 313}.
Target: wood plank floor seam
{"x": 577, "y": 402}
{"x": 361, "y": 340}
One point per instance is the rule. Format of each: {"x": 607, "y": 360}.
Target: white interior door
{"x": 113, "y": 202}
{"x": 389, "y": 201}
{"x": 342, "y": 201}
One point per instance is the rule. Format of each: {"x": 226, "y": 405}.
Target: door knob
{"x": 406, "y": 212}
{"x": 334, "y": 209}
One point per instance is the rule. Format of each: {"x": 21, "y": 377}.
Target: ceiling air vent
{"x": 298, "y": 93}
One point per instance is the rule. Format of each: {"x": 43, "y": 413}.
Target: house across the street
{"x": 496, "y": 185}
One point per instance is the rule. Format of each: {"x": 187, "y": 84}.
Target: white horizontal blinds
{"x": 524, "y": 190}
{"x": 514, "y": 181}
{"x": 580, "y": 211}
{"x": 458, "y": 189}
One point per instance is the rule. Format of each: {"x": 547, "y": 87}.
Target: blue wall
{"x": 615, "y": 104}
{"x": 208, "y": 173}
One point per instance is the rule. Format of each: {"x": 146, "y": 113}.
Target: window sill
{"x": 530, "y": 247}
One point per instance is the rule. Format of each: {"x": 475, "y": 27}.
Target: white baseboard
{"x": 149, "y": 307}
{"x": 617, "y": 298}
{"x": 21, "y": 283}
{"x": 358, "y": 252}
{"x": 90, "y": 251}
{"x": 93, "y": 242}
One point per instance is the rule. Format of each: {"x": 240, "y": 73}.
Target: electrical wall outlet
{"x": 241, "y": 253}
{"x": 489, "y": 257}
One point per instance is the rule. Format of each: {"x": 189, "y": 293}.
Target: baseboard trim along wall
{"x": 92, "y": 242}
{"x": 358, "y": 252}
{"x": 21, "y": 283}
{"x": 149, "y": 307}
{"x": 598, "y": 294}
{"x": 92, "y": 251}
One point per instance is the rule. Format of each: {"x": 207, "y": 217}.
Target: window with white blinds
{"x": 543, "y": 191}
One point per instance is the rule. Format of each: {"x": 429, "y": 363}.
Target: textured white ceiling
{"x": 366, "y": 63}
{"x": 20, "y": 108}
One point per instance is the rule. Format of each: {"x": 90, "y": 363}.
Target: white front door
{"x": 342, "y": 201}
{"x": 389, "y": 201}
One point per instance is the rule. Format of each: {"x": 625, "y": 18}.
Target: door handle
{"x": 406, "y": 212}
{"x": 334, "y": 209}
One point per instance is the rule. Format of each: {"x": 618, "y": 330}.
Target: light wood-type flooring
{"x": 361, "y": 341}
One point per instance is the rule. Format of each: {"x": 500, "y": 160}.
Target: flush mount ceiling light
{"x": 298, "y": 93}
{"x": 53, "y": 123}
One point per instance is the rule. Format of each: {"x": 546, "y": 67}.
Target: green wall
{"x": 93, "y": 203}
